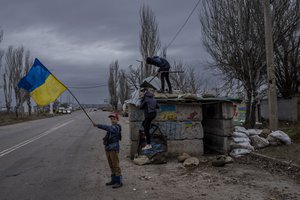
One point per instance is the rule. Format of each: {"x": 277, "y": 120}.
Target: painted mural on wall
{"x": 180, "y": 112}
{"x": 181, "y": 130}
{"x": 239, "y": 113}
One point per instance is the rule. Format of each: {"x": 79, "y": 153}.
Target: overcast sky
{"x": 77, "y": 40}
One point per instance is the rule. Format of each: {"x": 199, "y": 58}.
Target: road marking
{"x": 22, "y": 144}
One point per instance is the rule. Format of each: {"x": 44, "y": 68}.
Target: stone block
{"x": 220, "y": 110}
{"x": 176, "y": 147}
{"x": 133, "y": 148}
{"x": 170, "y": 111}
{"x": 191, "y": 147}
{"x": 134, "y": 113}
{"x": 217, "y": 143}
{"x": 221, "y": 127}
{"x": 173, "y": 130}
{"x": 180, "y": 112}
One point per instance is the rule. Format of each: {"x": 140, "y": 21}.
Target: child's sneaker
{"x": 148, "y": 146}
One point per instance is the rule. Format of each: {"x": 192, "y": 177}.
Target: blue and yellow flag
{"x": 43, "y": 86}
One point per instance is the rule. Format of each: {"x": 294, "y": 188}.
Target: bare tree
{"x": 14, "y": 61}
{"x": 8, "y": 80}
{"x": 1, "y": 52}
{"x": 123, "y": 87}
{"x": 28, "y": 63}
{"x": 286, "y": 32}
{"x": 149, "y": 39}
{"x": 134, "y": 77}
{"x": 232, "y": 34}
{"x": 113, "y": 84}
{"x": 188, "y": 82}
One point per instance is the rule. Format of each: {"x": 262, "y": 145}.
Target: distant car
{"x": 68, "y": 110}
{"x": 61, "y": 110}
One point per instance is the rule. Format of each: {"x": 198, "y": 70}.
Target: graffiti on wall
{"x": 181, "y": 130}
{"x": 172, "y": 130}
{"x": 239, "y": 113}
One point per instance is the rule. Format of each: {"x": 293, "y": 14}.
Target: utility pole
{"x": 272, "y": 94}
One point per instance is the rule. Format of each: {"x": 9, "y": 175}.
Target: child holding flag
{"x": 112, "y": 147}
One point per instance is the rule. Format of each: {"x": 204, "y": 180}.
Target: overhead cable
{"x": 183, "y": 24}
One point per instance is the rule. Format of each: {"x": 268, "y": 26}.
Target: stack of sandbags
{"x": 240, "y": 144}
{"x": 246, "y": 140}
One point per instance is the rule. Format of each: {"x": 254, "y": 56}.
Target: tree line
{"x": 16, "y": 62}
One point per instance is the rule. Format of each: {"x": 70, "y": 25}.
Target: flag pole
{"x": 80, "y": 105}
{"x": 73, "y": 96}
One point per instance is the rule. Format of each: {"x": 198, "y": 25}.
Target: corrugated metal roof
{"x": 199, "y": 100}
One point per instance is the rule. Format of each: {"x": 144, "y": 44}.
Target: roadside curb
{"x": 287, "y": 164}
{"x": 272, "y": 165}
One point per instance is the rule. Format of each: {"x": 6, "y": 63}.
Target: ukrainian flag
{"x": 43, "y": 86}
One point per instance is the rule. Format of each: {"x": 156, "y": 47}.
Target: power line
{"x": 183, "y": 24}
{"x": 88, "y": 87}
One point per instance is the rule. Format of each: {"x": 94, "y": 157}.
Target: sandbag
{"x": 259, "y": 142}
{"x": 281, "y": 136}
{"x": 240, "y": 139}
{"x": 239, "y": 152}
{"x": 241, "y": 145}
{"x": 241, "y": 129}
{"x": 239, "y": 134}
{"x": 254, "y": 132}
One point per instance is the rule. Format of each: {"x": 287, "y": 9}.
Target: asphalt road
{"x": 55, "y": 158}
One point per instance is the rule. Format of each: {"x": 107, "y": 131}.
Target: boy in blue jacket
{"x": 112, "y": 147}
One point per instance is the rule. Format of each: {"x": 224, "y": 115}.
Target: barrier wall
{"x": 179, "y": 122}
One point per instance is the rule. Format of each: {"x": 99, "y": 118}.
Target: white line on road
{"x": 13, "y": 148}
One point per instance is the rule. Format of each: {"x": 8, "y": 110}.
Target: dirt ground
{"x": 244, "y": 179}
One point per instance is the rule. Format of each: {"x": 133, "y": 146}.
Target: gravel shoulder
{"x": 244, "y": 179}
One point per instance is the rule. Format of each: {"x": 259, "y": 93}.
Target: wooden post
{"x": 272, "y": 94}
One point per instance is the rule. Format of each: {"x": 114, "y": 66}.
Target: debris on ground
{"x": 191, "y": 163}
{"x": 181, "y": 158}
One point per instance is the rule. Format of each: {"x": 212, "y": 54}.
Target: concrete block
{"x": 134, "y": 128}
{"x": 134, "y": 113}
{"x": 191, "y": 147}
{"x": 172, "y": 130}
{"x": 221, "y": 127}
{"x": 167, "y": 112}
{"x": 176, "y": 147}
{"x": 180, "y": 112}
{"x": 133, "y": 148}
{"x": 181, "y": 130}
{"x": 217, "y": 143}
{"x": 220, "y": 110}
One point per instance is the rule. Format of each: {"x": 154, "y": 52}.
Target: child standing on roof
{"x": 164, "y": 67}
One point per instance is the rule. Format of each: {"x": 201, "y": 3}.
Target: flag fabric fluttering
{"x": 41, "y": 84}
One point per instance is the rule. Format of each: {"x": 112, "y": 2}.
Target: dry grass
{"x": 7, "y": 119}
